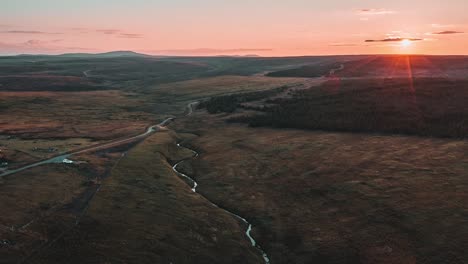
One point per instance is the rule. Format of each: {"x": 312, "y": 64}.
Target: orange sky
{"x": 213, "y": 27}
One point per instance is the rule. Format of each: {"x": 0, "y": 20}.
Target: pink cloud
{"x": 393, "y": 39}
{"x": 208, "y": 51}
{"x": 31, "y": 32}
{"x": 34, "y": 46}
{"x": 130, "y": 35}
{"x": 108, "y": 31}
{"x": 374, "y": 11}
{"x": 447, "y": 32}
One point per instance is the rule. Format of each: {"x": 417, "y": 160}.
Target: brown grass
{"x": 42, "y": 203}
{"x": 99, "y": 115}
{"x": 28, "y": 200}
{"x": 225, "y": 84}
{"x": 173, "y": 97}
{"x": 319, "y": 197}
{"x": 145, "y": 214}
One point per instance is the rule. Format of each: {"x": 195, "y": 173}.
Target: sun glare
{"x": 406, "y": 43}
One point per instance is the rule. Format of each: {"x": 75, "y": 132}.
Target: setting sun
{"x": 406, "y": 43}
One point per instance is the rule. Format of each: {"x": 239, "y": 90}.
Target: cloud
{"x": 207, "y": 51}
{"x": 119, "y": 33}
{"x": 343, "y": 45}
{"x": 130, "y": 35}
{"x": 34, "y": 46}
{"x": 108, "y": 31}
{"x": 374, "y": 11}
{"x": 447, "y": 32}
{"x": 393, "y": 39}
{"x": 34, "y": 32}
{"x": 34, "y": 42}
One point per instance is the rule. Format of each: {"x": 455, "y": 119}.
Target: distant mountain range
{"x": 123, "y": 53}
{"x": 112, "y": 54}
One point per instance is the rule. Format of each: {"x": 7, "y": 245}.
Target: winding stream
{"x": 194, "y": 189}
{"x": 64, "y": 158}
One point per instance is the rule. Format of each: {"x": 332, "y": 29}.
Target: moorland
{"x": 334, "y": 159}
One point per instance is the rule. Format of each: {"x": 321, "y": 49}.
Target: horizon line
{"x": 226, "y": 55}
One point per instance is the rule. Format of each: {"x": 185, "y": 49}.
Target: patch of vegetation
{"x": 47, "y": 83}
{"x": 424, "y": 107}
{"x": 229, "y": 103}
{"x": 146, "y": 70}
{"x": 399, "y": 66}
{"x": 117, "y": 71}
{"x": 310, "y": 71}
{"x": 245, "y": 66}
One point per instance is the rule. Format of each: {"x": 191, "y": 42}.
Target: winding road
{"x": 64, "y": 157}
{"x": 333, "y": 71}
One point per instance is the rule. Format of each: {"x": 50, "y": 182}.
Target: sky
{"x": 234, "y": 27}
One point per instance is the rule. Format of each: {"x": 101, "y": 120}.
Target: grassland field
{"x": 317, "y": 192}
